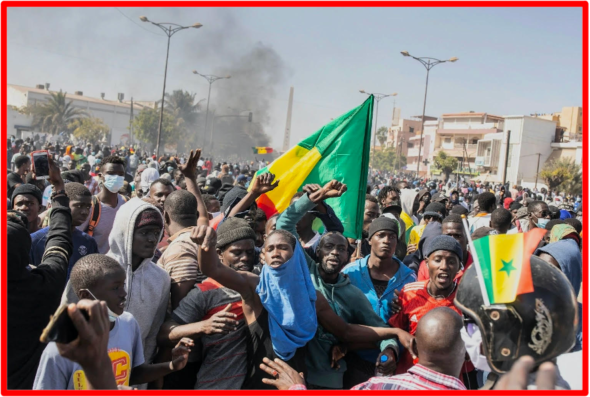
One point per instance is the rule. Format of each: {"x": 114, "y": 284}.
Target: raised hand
{"x": 205, "y": 237}
{"x": 311, "y": 188}
{"x": 517, "y": 378}
{"x": 180, "y": 354}
{"x": 333, "y": 189}
{"x": 264, "y": 183}
{"x": 189, "y": 169}
{"x": 55, "y": 175}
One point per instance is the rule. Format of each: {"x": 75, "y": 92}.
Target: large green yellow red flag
{"x": 504, "y": 260}
{"x": 339, "y": 150}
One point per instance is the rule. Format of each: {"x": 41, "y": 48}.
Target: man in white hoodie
{"x": 137, "y": 229}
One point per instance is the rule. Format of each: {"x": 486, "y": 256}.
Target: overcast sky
{"x": 511, "y": 60}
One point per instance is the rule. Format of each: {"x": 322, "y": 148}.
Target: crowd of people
{"x": 175, "y": 279}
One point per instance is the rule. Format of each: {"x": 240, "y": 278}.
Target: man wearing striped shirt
{"x": 438, "y": 344}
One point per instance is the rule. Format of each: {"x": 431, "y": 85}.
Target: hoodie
{"x": 148, "y": 287}
{"x": 407, "y": 198}
{"x": 358, "y": 272}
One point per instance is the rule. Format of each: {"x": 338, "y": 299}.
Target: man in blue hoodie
{"x": 377, "y": 275}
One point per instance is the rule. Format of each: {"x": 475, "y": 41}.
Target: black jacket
{"x": 34, "y": 295}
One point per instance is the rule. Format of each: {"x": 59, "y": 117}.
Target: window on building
{"x": 410, "y": 145}
{"x": 474, "y": 141}
{"x": 412, "y": 129}
{"x": 579, "y": 129}
{"x": 447, "y": 140}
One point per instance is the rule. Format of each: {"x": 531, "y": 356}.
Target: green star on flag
{"x": 507, "y": 267}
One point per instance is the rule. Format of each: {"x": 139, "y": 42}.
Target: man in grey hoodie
{"x": 137, "y": 229}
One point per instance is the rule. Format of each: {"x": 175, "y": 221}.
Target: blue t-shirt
{"x": 83, "y": 245}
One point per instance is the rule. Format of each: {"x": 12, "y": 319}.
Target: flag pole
{"x": 484, "y": 291}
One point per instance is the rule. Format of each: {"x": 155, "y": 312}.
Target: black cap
{"x": 439, "y": 197}
{"x": 446, "y": 243}
{"x": 383, "y": 223}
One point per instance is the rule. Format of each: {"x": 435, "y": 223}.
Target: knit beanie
{"x": 446, "y": 243}
{"x": 149, "y": 217}
{"x": 236, "y": 192}
{"x": 383, "y": 223}
{"x": 234, "y": 229}
{"x": 27, "y": 188}
{"x": 435, "y": 209}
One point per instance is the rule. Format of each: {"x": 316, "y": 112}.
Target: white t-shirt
{"x": 47, "y": 195}
{"x": 476, "y": 222}
{"x": 104, "y": 226}
{"x": 125, "y": 351}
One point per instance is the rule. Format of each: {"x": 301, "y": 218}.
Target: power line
{"x": 135, "y": 23}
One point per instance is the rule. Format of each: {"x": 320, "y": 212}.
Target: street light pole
{"x": 170, "y": 29}
{"x": 378, "y": 98}
{"x": 428, "y": 63}
{"x": 211, "y": 79}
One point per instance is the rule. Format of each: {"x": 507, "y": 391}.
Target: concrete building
{"x": 430, "y": 127}
{"x": 114, "y": 113}
{"x": 404, "y": 137}
{"x": 458, "y": 135}
{"x": 569, "y": 120}
{"x": 530, "y": 146}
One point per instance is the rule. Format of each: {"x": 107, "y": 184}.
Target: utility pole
{"x": 506, "y": 159}
{"x": 287, "y": 138}
{"x": 538, "y": 163}
{"x": 131, "y": 124}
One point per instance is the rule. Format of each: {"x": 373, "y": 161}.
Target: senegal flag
{"x": 262, "y": 150}
{"x": 504, "y": 260}
{"x": 339, "y": 150}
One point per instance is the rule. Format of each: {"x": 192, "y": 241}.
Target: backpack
{"x": 95, "y": 210}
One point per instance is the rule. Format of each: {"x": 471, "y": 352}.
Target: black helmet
{"x": 541, "y": 324}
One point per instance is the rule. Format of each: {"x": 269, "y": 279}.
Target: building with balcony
{"x": 569, "y": 123}
{"x": 458, "y": 135}
{"x": 413, "y": 152}
{"x": 116, "y": 114}
{"x": 530, "y": 141}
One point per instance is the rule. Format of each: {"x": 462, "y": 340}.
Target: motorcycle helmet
{"x": 541, "y": 324}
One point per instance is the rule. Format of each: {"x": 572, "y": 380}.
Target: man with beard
{"x": 213, "y": 313}
{"x": 325, "y": 365}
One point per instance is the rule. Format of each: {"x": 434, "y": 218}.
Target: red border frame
{"x": 303, "y": 3}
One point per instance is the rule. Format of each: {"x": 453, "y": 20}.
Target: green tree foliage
{"x": 55, "y": 115}
{"x": 381, "y": 135}
{"x": 447, "y": 164}
{"x": 145, "y": 127}
{"x": 386, "y": 160}
{"x": 182, "y": 107}
{"x": 91, "y": 129}
{"x": 563, "y": 175}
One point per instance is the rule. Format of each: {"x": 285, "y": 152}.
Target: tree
{"x": 181, "y": 105}
{"x": 381, "y": 135}
{"x": 55, "y": 115}
{"x": 564, "y": 175}
{"x": 91, "y": 129}
{"x": 386, "y": 160}
{"x": 447, "y": 164}
{"x": 145, "y": 127}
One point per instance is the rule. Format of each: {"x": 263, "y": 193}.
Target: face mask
{"x": 93, "y": 153}
{"x": 113, "y": 182}
{"x": 170, "y": 169}
{"x": 542, "y": 222}
{"x": 112, "y": 315}
{"x": 472, "y": 339}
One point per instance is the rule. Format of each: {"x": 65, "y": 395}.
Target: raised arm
{"x": 261, "y": 184}
{"x": 244, "y": 283}
{"x": 58, "y": 248}
{"x": 189, "y": 170}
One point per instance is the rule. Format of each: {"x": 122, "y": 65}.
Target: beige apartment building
{"x": 569, "y": 123}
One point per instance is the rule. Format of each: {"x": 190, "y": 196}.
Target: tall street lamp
{"x": 428, "y": 63}
{"x": 211, "y": 79}
{"x": 169, "y": 29}
{"x": 378, "y": 98}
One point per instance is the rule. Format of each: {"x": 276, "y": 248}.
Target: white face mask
{"x": 112, "y": 315}
{"x": 471, "y": 336}
{"x": 113, "y": 182}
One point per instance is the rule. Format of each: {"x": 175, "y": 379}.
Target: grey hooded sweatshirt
{"x": 148, "y": 287}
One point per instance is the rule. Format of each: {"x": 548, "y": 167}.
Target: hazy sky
{"x": 511, "y": 60}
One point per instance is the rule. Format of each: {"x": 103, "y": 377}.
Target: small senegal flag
{"x": 504, "y": 261}
{"x": 262, "y": 150}
{"x": 339, "y": 150}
